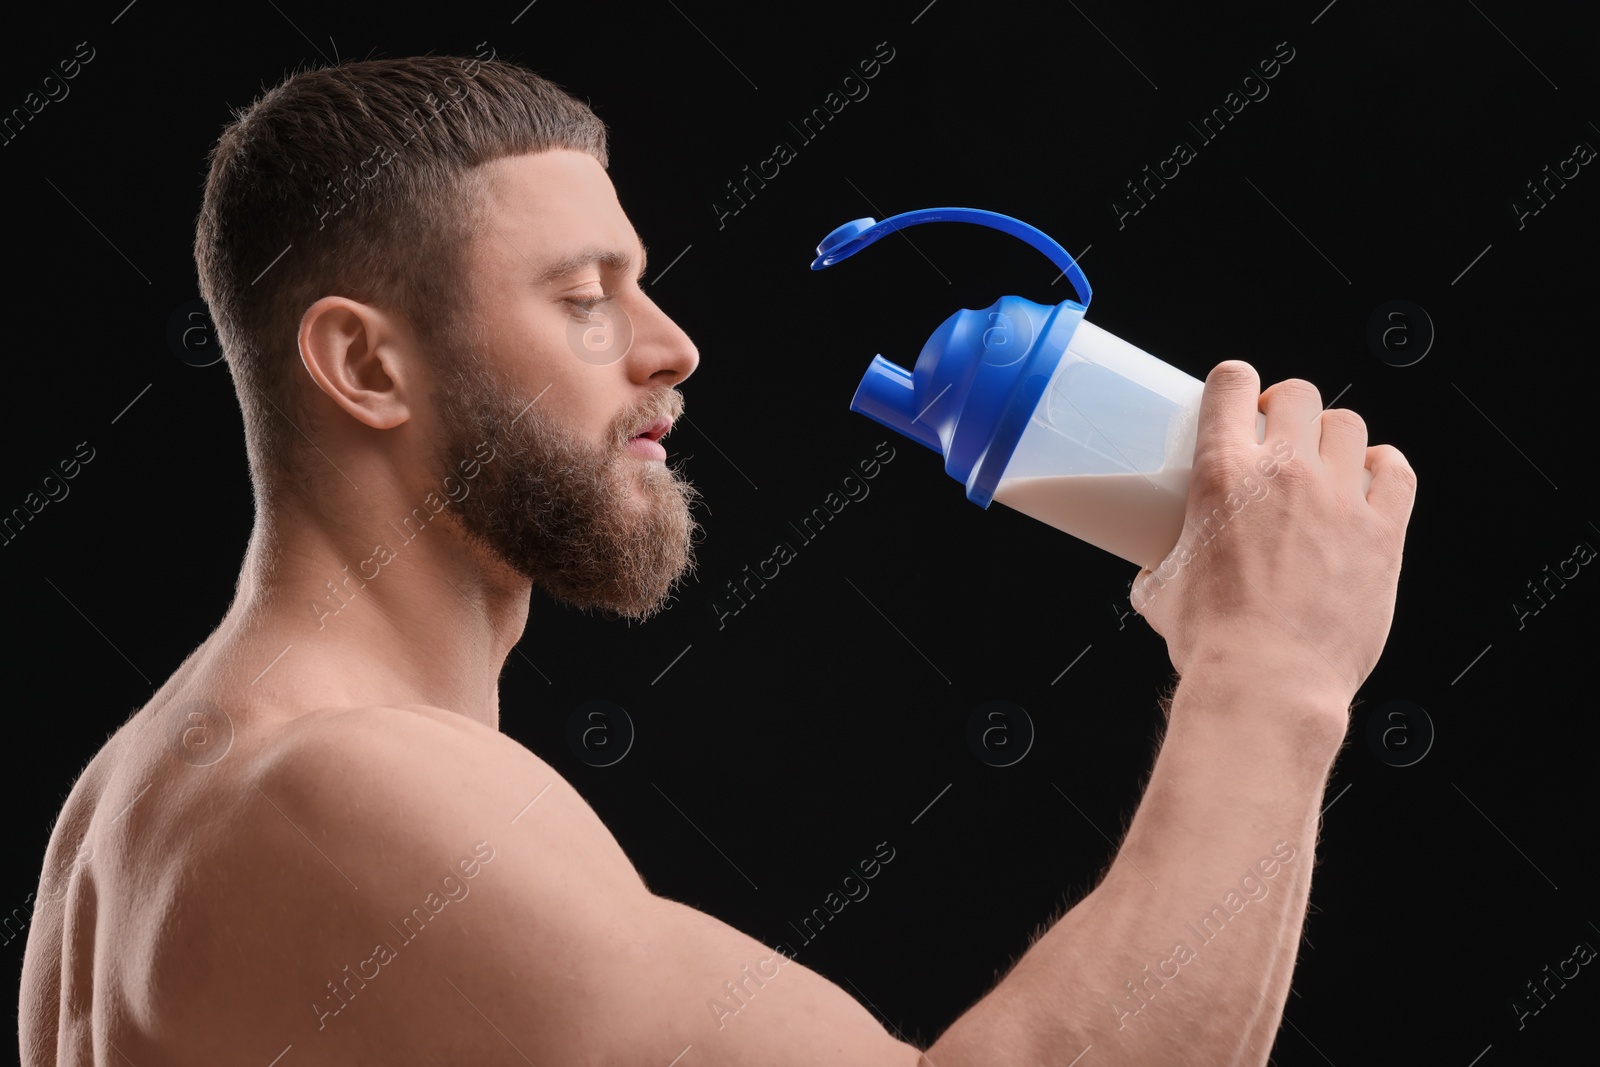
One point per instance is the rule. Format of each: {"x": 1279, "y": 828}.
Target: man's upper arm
{"x": 481, "y": 908}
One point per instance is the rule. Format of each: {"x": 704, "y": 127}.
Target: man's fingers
{"x": 1394, "y": 484}
{"x": 1229, "y": 404}
{"x": 1293, "y": 407}
{"x": 1343, "y": 447}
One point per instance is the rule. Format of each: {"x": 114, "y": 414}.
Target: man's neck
{"x": 381, "y": 612}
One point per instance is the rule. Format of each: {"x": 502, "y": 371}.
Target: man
{"x": 313, "y": 846}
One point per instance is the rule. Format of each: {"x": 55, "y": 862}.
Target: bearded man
{"x": 314, "y": 846}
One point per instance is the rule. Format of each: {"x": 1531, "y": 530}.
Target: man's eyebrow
{"x": 609, "y": 258}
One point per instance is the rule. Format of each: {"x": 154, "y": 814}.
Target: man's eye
{"x": 586, "y": 304}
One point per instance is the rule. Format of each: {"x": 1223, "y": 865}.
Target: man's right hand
{"x": 1275, "y": 605}
{"x": 1281, "y": 549}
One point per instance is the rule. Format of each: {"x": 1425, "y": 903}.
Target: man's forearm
{"x": 1185, "y": 950}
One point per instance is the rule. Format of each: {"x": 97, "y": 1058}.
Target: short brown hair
{"x": 355, "y": 180}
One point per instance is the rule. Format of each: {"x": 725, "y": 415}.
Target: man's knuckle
{"x": 1231, "y": 372}
{"x": 1345, "y": 420}
{"x": 1295, "y": 389}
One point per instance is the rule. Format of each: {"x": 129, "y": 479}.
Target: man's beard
{"x": 567, "y": 515}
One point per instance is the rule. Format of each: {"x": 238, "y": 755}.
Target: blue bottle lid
{"x": 981, "y": 374}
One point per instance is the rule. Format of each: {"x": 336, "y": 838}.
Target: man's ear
{"x": 362, "y": 358}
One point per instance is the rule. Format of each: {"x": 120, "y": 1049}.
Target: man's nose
{"x": 662, "y": 353}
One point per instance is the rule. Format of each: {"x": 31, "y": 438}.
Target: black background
{"x": 832, "y": 711}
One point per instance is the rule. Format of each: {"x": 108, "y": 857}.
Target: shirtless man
{"x": 314, "y": 846}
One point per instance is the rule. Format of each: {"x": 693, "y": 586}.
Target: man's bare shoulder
{"x": 428, "y": 888}
{"x": 333, "y": 739}
{"x": 333, "y": 865}
{"x": 422, "y": 779}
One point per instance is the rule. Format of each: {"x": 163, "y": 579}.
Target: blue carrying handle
{"x": 857, "y": 234}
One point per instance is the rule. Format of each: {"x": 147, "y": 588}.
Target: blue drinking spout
{"x": 886, "y": 395}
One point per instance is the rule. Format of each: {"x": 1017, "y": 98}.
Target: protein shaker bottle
{"x": 1035, "y": 407}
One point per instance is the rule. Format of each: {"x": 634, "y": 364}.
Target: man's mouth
{"x": 654, "y": 431}
{"x": 646, "y": 444}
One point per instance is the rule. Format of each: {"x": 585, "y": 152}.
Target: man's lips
{"x": 655, "y": 431}
{"x": 646, "y": 444}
